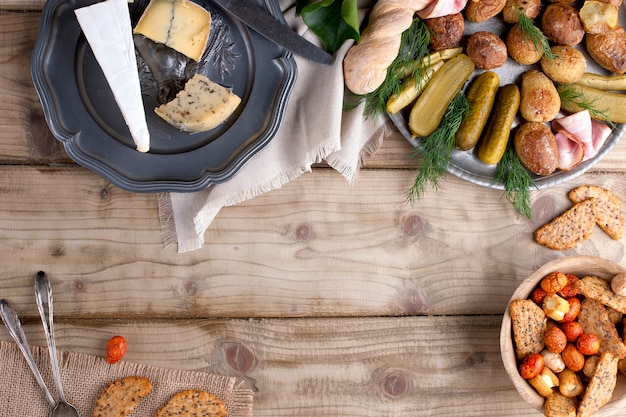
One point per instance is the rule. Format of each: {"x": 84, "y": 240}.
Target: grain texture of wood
{"x": 315, "y": 247}
{"x": 352, "y": 367}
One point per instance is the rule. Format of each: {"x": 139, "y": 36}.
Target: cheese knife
{"x": 269, "y": 27}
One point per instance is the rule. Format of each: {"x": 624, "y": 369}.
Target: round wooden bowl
{"x": 580, "y": 266}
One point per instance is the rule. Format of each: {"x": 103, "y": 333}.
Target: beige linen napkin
{"x": 315, "y": 128}
{"x": 84, "y": 375}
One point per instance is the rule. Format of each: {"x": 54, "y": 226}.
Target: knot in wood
{"x": 412, "y": 225}
{"x": 303, "y": 233}
{"x": 394, "y": 385}
{"x": 239, "y": 357}
{"x": 474, "y": 359}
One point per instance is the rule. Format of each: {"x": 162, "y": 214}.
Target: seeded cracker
{"x": 609, "y": 214}
{"x": 600, "y": 386}
{"x": 119, "y": 398}
{"x": 594, "y": 319}
{"x": 558, "y": 405}
{"x": 600, "y": 290}
{"x": 192, "y": 403}
{"x": 529, "y": 327}
{"x": 570, "y": 228}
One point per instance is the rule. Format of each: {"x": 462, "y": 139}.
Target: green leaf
{"x": 334, "y": 21}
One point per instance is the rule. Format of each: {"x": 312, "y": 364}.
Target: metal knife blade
{"x": 271, "y": 28}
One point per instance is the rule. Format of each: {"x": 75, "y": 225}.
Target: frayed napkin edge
{"x": 205, "y": 217}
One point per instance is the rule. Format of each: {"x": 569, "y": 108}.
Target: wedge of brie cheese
{"x": 108, "y": 30}
{"x": 180, "y": 24}
{"x": 201, "y": 106}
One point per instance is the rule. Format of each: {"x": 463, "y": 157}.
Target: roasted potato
{"x": 480, "y": 10}
{"x": 530, "y": 8}
{"x": 598, "y": 17}
{"x": 561, "y": 24}
{"x": 487, "y": 50}
{"x": 540, "y": 100}
{"x": 567, "y": 66}
{"x": 521, "y": 48}
{"x": 445, "y": 31}
{"x": 608, "y": 49}
{"x": 536, "y": 148}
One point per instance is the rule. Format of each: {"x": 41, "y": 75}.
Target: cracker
{"x": 609, "y": 214}
{"x": 529, "y": 324}
{"x": 119, "y": 398}
{"x": 558, "y": 405}
{"x": 193, "y": 403}
{"x": 570, "y": 228}
{"x": 594, "y": 319}
{"x": 600, "y": 386}
{"x": 600, "y": 290}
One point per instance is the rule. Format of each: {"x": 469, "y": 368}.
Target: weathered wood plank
{"x": 417, "y": 366}
{"x": 333, "y": 249}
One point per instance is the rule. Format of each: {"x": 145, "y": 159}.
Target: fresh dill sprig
{"x": 569, "y": 94}
{"x": 536, "y": 36}
{"x": 414, "y": 45}
{"x": 435, "y": 150}
{"x": 517, "y": 181}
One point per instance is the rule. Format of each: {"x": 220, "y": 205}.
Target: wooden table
{"x": 325, "y": 298}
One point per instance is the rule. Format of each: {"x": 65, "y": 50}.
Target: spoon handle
{"x": 43, "y": 295}
{"x": 13, "y": 324}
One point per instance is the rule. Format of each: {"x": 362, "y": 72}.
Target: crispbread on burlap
{"x": 192, "y": 403}
{"x": 594, "y": 319}
{"x": 600, "y": 290}
{"x": 120, "y": 397}
{"x": 529, "y": 327}
{"x": 609, "y": 214}
{"x": 570, "y": 228}
{"x": 600, "y": 386}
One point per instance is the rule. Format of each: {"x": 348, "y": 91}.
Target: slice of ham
{"x": 579, "y": 138}
{"x": 439, "y": 8}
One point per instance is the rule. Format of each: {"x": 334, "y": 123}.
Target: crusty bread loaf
{"x": 365, "y": 65}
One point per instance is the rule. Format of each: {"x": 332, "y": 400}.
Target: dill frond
{"x": 539, "y": 40}
{"x": 571, "y": 95}
{"x": 435, "y": 150}
{"x": 516, "y": 180}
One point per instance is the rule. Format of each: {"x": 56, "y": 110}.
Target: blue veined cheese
{"x": 201, "y": 106}
{"x": 108, "y": 30}
{"x": 180, "y": 24}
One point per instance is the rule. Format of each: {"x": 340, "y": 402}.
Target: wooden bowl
{"x": 579, "y": 266}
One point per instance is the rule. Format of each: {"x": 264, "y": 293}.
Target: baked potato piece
{"x": 530, "y": 8}
{"x": 521, "y": 48}
{"x": 445, "y": 31}
{"x": 536, "y": 148}
{"x": 598, "y": 17}
{"x": 567, "y": 66}
{"x": 487, "y": 50}
{"x": 561, "y": 24}
{"x": 540, "y": 100}
{"x": 608, "y": 49}
{"x": 480, "y": 10}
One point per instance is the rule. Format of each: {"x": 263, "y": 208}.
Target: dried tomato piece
{"x": 115, "y": 350}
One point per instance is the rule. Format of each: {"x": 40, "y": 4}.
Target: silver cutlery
{"x": 43, "y": 295}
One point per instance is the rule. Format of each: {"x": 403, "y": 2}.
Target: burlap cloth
{"x": 84, "y": 375}
{"x": 315, "y": 128}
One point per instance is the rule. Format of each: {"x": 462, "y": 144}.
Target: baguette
{"x": 365, "y": 65}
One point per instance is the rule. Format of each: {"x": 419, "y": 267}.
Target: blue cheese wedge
{"x": 108, "y": 30}
{"x": 180, "y": 24}
{"x": 201, "y": 106}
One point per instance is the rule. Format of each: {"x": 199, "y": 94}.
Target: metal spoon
{"x": 43, "y": 295}
{"x": 13, "y": 324}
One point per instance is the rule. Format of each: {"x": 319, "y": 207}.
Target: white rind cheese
{"x": 201, "y": 106}
{"x": 180, "y": 24}
{"x": 108, "y": 30}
